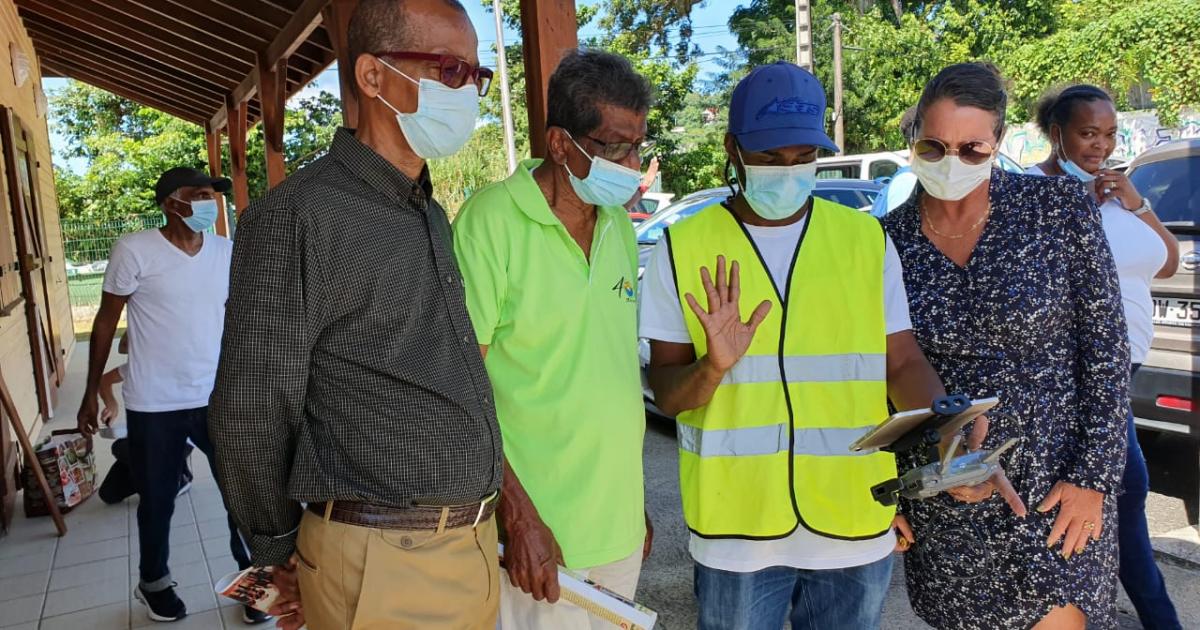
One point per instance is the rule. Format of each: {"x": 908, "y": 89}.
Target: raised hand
{"x": 726, "y": 335}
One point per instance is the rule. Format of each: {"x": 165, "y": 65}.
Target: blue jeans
{"x": 1139, "y": 574}
{"x": 157, "y": 447}
{"x": 831, "y": 599}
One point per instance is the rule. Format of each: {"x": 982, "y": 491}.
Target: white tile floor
{"x": 84, "y": 581}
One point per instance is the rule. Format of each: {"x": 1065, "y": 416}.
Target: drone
{"x": 920, "y": 432}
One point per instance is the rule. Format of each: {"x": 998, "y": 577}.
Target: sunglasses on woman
{"x": 974, "y": 153}
{"x": 454, "y": 71}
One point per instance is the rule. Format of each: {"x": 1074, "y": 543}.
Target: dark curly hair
{"x": 1058, "y": 105}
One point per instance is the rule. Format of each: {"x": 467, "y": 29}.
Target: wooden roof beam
{"x": 220, "y": 42}
{"x": 62, "y": 42}
{"x": 305, "y": 19}
{"x": 145, "y": 83}
{"x": 175, "y": 110}
{"x": 101, "y": 25}
{"x": 226, "y": 24}
{"x": 55, "y": 32}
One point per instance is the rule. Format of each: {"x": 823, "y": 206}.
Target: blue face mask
{"x": 607, "y": 184}
{"x": 204, "y": 215}
{"x": 778, "y": 192}
{"x": 1071, "y": 168}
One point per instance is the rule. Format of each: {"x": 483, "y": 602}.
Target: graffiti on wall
{"x": 1136, "y": 132}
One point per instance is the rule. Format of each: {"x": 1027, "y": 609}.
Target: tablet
{"x": 901, "y": 423}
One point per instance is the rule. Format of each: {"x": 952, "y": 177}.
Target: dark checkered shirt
{"x": 349, "y": 369}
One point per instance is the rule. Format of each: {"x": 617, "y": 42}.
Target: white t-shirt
{"x": 1139, "y": 254}
{"x": 176, "y": 313}
{"x": 662, "y": 320}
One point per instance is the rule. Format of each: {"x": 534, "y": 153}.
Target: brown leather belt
{"x": 414, "y": 518}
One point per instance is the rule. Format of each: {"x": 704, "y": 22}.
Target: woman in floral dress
{"x": 1013, "y": 293}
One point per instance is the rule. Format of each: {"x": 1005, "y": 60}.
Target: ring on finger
{"x": 1089, "y": 525}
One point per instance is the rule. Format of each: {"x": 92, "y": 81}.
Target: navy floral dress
{"x": 1035, "y": 319}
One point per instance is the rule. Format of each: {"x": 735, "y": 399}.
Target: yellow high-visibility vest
{"x": 770, "y": 451}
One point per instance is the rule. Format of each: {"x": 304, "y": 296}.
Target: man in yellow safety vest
{"x": 782, "y": 518}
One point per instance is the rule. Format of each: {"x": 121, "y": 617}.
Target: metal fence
{"x": 87, "y": 245}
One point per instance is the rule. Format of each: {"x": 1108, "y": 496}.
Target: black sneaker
{"x": 254, "y": 616}
{"x": 163, "y": 605}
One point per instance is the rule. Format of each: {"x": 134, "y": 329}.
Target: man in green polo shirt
{"x": 549, "y": 261}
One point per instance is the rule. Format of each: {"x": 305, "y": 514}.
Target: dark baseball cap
{"x": 182, "y": 176}
{"x": 779, "y": 105}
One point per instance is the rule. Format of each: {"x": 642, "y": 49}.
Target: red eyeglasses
{"x": 455, "y": 72}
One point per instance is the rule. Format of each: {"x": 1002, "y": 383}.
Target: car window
{"x": 882, "y": 168}
{"x": 844, "y": 196}
{"x": 839, "y": 171}
{"x": 647, "y": 206}
{"x": 652, "y": 229}
{"x": 1173, "y": 188}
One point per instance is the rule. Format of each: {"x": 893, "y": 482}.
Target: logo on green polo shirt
{"x": 624, "y": 288}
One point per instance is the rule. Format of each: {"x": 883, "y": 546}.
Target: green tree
{"x": 127, "y": 146}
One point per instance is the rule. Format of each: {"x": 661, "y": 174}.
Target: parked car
{"x": 1164, "y": 389}
{"x": 650, "y": 203}
{"x": 847, "y": 192}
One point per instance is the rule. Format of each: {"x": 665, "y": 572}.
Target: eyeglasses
{"x": 455, "y": 72}
{"x": 974, "y": 153}
{"x": 619, "y": 151}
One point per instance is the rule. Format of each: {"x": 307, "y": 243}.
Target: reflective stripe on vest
{"x": 769, "y": 439}
{"x": 830, "y": 368}
{"x": 770, "y": 451}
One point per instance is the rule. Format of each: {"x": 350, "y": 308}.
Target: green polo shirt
{"x": 562, "y": 355}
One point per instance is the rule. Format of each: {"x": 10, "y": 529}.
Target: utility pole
{"x": 839, "y": 129}
{"x": 803, "y": 36}
{"x": 505, "y": 98}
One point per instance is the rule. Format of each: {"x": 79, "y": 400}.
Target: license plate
{"x": 1174, "y": 312}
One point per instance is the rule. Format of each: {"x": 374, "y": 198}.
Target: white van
{"x": 865, "y": 166}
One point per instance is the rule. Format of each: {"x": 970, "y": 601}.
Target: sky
{"x": 709, "y": 23}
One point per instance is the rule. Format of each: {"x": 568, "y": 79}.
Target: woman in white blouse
{"x": 1081, "y": 123}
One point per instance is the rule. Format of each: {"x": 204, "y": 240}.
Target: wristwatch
{"x": 1143, "y": 209}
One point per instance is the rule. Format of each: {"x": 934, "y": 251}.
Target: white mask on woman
{"x": 950, "y": 179}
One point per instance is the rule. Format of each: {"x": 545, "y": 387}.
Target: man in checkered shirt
{"x": 350, "y": 378}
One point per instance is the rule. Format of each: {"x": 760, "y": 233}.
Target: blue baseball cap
{"x": 779, "y": 105}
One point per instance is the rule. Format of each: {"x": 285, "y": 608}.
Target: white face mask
{"x": 950, "y": 179}
{"x": 778, "y": 192}
{"x": 444, "y": 120}
{"x": 607, "y": 184}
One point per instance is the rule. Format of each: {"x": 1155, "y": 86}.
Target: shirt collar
{"x": 529, "y": 198}
{"x": 376, "y": 171}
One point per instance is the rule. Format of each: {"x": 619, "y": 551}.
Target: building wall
{"x": 15, "y": 357}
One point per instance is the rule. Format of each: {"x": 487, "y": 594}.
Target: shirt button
{"x": 466, "y": 339}
{"x": 451, "y": 280}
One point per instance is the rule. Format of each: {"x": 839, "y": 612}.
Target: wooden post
{"x": 550, "y": 31}
{"x": 336, "y": 17}
{"x": 272, "y": 92}
{"x": 213, "y": 136}
{"x": 237, "y": 155}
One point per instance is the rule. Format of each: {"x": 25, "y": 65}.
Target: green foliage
{"x": 478, "y": 164}
{"x": 1147, "y": 43}
{"x": 127, "y": 147}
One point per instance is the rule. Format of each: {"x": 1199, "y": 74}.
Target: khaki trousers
{"x": 359, "y": 578}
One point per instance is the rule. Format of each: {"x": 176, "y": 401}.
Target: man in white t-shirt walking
{"x": 782, "y": 518}
{"x": 174, "y": 281}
